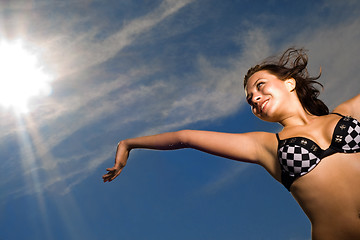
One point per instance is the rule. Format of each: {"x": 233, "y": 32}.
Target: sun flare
{"x": 22, "y": 77}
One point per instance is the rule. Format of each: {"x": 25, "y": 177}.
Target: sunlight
{"x": 43, "y": 179}
{"x": 30, "y": 165}
{"x": 21, "y": 77}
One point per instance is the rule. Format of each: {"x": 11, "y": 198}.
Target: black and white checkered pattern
{"x": 296, "y": 160}
{"x": 352, "y": 139}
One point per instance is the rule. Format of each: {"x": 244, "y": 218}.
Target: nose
{"x": 256, "y": 99}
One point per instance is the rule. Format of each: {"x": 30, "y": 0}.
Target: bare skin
{"x": 329, "y": 194}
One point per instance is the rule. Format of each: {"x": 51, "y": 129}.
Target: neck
{"x": 297, "y": 119}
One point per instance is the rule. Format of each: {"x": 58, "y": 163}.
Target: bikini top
{"x": 299, "y": 155}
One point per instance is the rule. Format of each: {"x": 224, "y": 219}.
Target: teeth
{"x": 262, "y": 106}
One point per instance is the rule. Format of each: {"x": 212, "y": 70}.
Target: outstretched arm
{"x": 254, "y": 147}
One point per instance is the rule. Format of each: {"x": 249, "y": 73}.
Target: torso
{"x": 330, "y": 193}
{"x": 330, "y": 196}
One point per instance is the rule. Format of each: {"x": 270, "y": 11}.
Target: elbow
{"x": 184, "y": 137}
{"x": 124, "y": 144}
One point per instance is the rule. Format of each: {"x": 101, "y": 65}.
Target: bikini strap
{"x": 337, "y": 114}
{"x": 277, "y": 136}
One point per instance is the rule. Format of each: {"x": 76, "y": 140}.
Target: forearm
{"x": 163, "y": 141}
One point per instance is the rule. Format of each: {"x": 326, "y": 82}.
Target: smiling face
{"x": 269, "y": 96}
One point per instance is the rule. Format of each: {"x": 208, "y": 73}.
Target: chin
{"x": 262, "y": 117}
{"x": 267, "y": 117}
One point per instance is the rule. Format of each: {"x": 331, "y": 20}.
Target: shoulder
{"x": 350, "y": 107}
{"x": 263, "y": 140}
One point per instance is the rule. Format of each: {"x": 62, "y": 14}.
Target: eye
{"x": 259, "y": 85}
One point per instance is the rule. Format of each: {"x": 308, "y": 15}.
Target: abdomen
{"x": 330, "y": 197}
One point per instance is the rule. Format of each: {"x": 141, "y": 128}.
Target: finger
{"x": 110, "y": 176}
{"x": 116, "y": 174}
{"x": 107, "y": 176}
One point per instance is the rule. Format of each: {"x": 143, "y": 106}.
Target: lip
{"x": 263, "y": 105}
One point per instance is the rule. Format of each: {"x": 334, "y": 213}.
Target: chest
{"x": 319, "y": 132}
{"x": 298, "y": 155}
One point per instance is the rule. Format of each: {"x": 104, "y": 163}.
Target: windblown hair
{"x": 293, "y": 64}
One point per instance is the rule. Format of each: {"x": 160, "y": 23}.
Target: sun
{"x": 22, "y": 76}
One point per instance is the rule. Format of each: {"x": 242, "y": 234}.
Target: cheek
{"x": 273, "y": 90}
{"x": 268, "y": 89}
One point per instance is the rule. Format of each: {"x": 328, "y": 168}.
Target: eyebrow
{"x": 257, "y": 81}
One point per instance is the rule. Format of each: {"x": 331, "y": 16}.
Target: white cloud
{"x": 216, "y": 93}
{"x": 75, "y": 51}
{"x": 336, "y": 50}
{"x": 78, "y": 51}
{"x": 338, "y": 57}
{"x": 211, "y": 92}
{"x": 224, "y": 178}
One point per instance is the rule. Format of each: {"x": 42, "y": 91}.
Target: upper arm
{"x": 252, "y": 147}
{"x": 350, "y": 107}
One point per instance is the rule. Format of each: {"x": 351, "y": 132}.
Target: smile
{"x": 263, "y": 105}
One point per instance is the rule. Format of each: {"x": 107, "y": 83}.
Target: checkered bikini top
{"x": 299, "y": 155}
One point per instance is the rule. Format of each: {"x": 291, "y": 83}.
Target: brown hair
{"x": 292, "y": 64}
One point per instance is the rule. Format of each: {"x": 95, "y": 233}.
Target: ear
{"x": 290, "y": 84}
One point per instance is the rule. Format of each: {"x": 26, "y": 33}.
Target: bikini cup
{"x": 299, "y": 155}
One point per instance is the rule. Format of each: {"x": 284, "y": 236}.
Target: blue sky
{"x": 127, "y": 68}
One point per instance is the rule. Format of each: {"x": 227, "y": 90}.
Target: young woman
{"x": 316, "y": 155}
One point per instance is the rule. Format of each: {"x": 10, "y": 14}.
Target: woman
{"x": 316, "y": 155}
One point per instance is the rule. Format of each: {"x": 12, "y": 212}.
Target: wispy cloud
{"x": 77, "y": 111}
{"x": 169, "y": 101}
{"x": 223, "y": 179}
{"x": 339, "y": 64}
{"x": 84, "y": 51}
{"x": 75, "y": 51}
{"x": 215, "y": 91}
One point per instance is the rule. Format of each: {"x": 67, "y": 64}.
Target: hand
{"x": 112, "y": 174}
{"x": 122, "y": 154}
